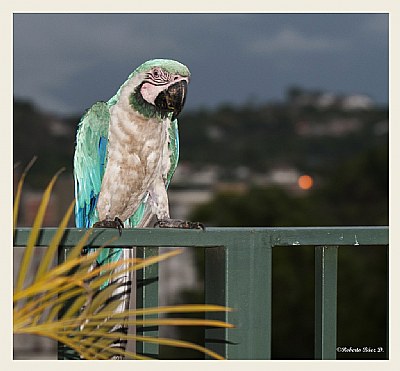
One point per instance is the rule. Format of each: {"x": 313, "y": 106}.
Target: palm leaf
{"x": 19, "y": 191}
{"x": 66, "y": 302}
{"x": 26, "y": 260}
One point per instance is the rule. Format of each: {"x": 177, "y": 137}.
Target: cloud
{"x": 65, "y": 62}
{"x": 289, "y": 40}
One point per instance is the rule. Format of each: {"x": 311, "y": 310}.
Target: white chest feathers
{"x": 138, "y": 157}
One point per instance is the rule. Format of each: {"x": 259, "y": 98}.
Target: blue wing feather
{"x": 102, "y": 154}
{"x": 89, "y": 162}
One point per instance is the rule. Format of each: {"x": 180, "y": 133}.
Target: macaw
{"x": 127, "y": 151}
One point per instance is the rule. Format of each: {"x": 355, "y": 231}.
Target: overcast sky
{"x": 66, "y": 62}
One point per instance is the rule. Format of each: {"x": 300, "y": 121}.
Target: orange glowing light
{"x": 305, "y": 182}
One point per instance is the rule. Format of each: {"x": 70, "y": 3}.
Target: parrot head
{"x": 159, "y": 88}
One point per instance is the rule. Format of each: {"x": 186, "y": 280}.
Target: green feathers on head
{"x": 171, "y": 66}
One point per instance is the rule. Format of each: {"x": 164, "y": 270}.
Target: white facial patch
{"x": 150, "y": 92}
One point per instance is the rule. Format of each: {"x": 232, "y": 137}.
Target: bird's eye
{"x": 155, "y": 73}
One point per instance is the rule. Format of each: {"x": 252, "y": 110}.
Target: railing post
{"x": 147, "y": 297}
{"x": 215, "y": 293}
{"x": 238, "y": 276}
{"x": 325, "y": 301}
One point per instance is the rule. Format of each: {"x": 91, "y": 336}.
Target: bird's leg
{"x": 177, "y": 223}
{"x": 109, "y": 223}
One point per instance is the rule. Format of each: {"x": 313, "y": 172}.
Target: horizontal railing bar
{"x": 213, "y": 237}
{"x": 331, "y": 236}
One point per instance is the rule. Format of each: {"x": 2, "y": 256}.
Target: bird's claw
{"x": 176, "y": 223}
{"x": 107, "y": 223}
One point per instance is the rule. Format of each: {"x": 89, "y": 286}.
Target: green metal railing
{"x": 238, "y": 274}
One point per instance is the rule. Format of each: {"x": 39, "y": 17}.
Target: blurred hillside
{"x": 262, "y": 145}
{"x": 305, "y": 132}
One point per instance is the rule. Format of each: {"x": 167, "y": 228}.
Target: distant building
{"x": 335, "y": 127}
{"x": 301, "y": 98}
{"x": 357, "y": 101}
{"x": 326, "y": 100}
{"x": 190, "y": 188}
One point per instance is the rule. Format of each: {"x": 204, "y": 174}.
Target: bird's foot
{"x": 177, "y": 223}
{"x": 108, "y": 223}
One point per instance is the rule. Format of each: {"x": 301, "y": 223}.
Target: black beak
{"x": 172, "y": 99}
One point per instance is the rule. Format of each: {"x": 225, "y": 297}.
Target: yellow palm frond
{"x": 66, "y": 302}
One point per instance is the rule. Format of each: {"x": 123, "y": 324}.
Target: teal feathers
{"x": 89, "y": 162}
